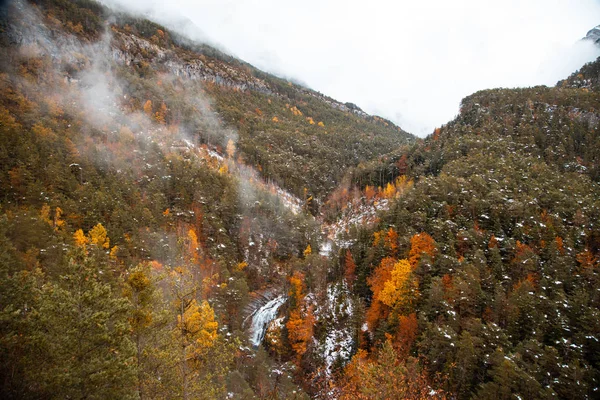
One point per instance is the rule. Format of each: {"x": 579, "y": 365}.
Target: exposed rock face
{"x": 128, "y": 49}
{"x": 215, "y": 71}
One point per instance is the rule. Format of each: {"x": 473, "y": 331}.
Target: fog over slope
{"x": 411, "y": 63}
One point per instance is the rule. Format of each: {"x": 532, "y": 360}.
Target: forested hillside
{"x": 141, "y": 212}
{"x": 178, "y": 224}
{"x": 485, "y": 272}
{"x": 299, "y": 138}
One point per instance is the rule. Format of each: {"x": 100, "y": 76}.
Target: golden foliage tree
{"x": 307, "y": 251}
{"x": 195, "y": 332}
{"x": 99, "y": 237}
{"x": 299, "y": 325}
{"x": 401, "y": 288}
{"x": 377, "y": 283}
{"x": 161, "y": 114}
{"x": 300, "y": 331}
{"x": 96, "y": 236}
{"x": 80, "y": 239}
{"x": 198, "y": 327}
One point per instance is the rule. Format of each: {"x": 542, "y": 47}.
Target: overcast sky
{"x": 409, "y": 61}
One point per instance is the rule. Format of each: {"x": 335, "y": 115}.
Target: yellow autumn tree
{"x": 55, "y": 221}
{"x": 378, "y": 237}
{"x": 401, "y": 288}
{"x": 402, "y": 184}
{"x": 389, "y": 191}
{"x": 45, "y": 214}
{"x": 98, "y": 236}
{"x": 80, "y": 239}
{"x": 307, "y": 251}
{"x": 198, "y": 327}
{"x": 194, "y": 335}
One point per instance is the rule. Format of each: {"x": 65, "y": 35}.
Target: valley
{"x": 175, "y": 223}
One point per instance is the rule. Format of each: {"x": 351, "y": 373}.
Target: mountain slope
{"x": 295, "y": 136}
{"x": 145, "y": 221}
{"x": 500, "y": 229}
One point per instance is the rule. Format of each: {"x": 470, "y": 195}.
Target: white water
{"x": 261, "y": 319}
{"x": 326, "y": 248}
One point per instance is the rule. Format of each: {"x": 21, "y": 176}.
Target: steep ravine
{"x": 266, "y": 304}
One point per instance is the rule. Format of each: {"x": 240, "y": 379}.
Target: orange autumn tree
{"x": 148, "y": 107}
{"x": 299, "y": 326}
{"x": 161, "y": 114}
{"x": 394, "y": 288}
{"x": 192, "y": 245}
{"x": 377, "y": 282}
{"x": 349, "y": 268}
{"x": 524, "y": 259}
{"x": 370, "y": 192}
{"x": 386, "y": 376}
{"x": 421, "y": 243}
{"x": 406, "y": 335}
{"x": 391, "y": 241}
{"x": 300, "y": 331}
{"x": 587, "y": 260}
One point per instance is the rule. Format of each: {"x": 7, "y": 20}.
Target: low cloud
{"x": 411, "y": 62}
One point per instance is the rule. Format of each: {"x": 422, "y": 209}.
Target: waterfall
{"x": 261, "y": 319}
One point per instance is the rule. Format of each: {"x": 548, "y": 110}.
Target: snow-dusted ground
{"x": 291, "y": 202}
{"x": 355, "y": 214}
{"x": 339, "y": 340}
{"x": 214, "y": 154}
